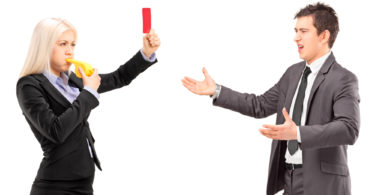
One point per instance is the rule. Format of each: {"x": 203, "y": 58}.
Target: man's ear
{"x": 324, "y": 36}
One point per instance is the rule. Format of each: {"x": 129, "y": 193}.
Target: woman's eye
{"x": 63, "y": 44}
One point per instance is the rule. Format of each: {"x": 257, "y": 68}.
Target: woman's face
{"x": 64, "y": 48}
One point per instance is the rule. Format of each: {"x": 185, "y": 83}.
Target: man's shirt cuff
{"x": 217, "y": 92}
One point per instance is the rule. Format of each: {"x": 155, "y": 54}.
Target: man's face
{"x": 311, "y": 46}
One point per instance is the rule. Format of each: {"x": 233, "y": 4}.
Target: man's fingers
{"x": 286, "y": 115}
{"x": 264, "y": 134}
{"x": 187, "y": 83}
{"x": 191, "y": 88}
{"x": 273, "y": 127}
{"x": 187, "y": 86}
{"x": 206, "y": 75}
{"x": 267, "y": 133}
{"x": 193, "y": 81}
{"x": 276, "y": 135}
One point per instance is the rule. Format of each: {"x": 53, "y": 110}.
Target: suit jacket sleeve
{"x": 249, "y": 104}
{"x": 343, "y": 129}
{"x": 124, "y": 74}
{"x": 56, "y": 128}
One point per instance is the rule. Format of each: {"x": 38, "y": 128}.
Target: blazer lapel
{"x": 293, "y": 83}
{"x": 319, "y": 80}
{"x": 51, "y": 90}
{"x": 76, "y": 81}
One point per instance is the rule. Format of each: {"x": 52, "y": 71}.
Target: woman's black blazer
{"x": 61, "y": 127}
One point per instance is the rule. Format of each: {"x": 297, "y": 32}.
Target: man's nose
{"x": 297, "y": 37}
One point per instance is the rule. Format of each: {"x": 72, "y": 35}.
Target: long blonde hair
{"x": 44, "y": 37}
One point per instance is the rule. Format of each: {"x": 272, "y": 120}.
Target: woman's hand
{"x": 151, "y": 43}
{"x": 92, "y": 81}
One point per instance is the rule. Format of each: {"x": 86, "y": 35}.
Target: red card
{"x": 146, "y": 13}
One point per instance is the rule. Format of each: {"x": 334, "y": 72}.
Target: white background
{"x": 154, "y": 136}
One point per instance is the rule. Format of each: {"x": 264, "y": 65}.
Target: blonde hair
{"x": 44, "y": 37}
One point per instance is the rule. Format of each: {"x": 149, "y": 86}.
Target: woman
{"x": 56, "y": 104}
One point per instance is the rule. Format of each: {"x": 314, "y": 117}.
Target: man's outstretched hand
{"x": 286, "y": 131}
{"x": 205, "y": 87}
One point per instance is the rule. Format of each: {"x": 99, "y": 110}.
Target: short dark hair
{"x": 324, "y": 18}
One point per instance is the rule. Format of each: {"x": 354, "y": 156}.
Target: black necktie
{"x": 298, "y": 108}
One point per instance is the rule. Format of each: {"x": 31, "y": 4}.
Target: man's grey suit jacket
{"x": 332, "y": 123}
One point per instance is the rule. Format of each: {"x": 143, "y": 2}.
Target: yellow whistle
{"x": 86, "y": 67}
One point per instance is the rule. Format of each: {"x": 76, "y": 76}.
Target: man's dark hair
{"x": 324, "y": 18}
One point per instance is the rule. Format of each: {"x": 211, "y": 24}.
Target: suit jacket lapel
{"x": 293, "y": 83}
{"x": 319, "y": 80}
{"x": 76, "y": 81}
{"x": 51, "y": 90}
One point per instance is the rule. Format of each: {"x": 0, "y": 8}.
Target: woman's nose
{"x": 69, "y": 50}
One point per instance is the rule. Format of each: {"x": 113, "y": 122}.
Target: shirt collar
{"x": 63, "y": 79}
{"x": 317, "y": 64}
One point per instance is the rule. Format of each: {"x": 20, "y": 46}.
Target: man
{"x": 309, "y": 148}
